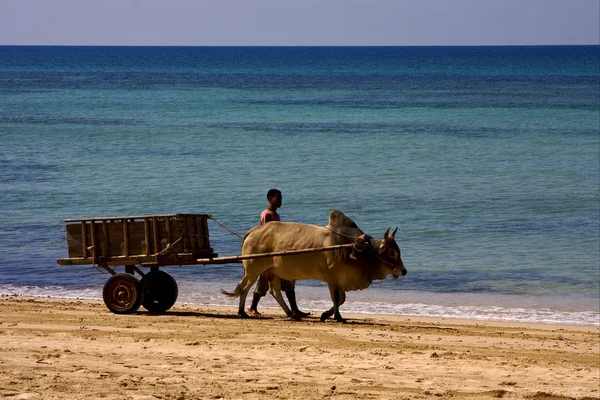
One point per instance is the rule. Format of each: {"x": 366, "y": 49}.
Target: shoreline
{"x": 75, "y": 349}
{"x": 417, "y": 309}
{"x": 273, "y": 308}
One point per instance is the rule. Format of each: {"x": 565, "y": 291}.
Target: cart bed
{"x": 152, "y": 240}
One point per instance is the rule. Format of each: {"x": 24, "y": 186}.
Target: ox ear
{"x": 394, "y": 233}
{"x": 385, "y": 235}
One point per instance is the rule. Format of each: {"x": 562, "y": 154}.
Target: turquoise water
{"x": 487, "y": 158}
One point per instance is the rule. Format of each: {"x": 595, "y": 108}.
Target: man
{"x": 262, "y": 285}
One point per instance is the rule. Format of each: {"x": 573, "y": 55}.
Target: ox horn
{"x": 385, "y": 235}
{"x": 394, "y": 233}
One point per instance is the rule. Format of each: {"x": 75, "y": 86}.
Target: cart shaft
{"x": 240, "y": 258}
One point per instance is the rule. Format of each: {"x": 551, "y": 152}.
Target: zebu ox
{"x": 343, "y": 270}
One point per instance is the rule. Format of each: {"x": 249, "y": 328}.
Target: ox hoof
{"x": 301, "y": 314}
{"x": 324, "y": 316}
{"x": 340, "y": 319}
{"x": 243, "y": 314}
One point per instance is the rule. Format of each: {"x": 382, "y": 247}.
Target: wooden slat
{"x": 83, "y": 239}
{"x": 131, "y": 217}
{"x": 184, "y": 234}
{"x": 93, "y": 239}
{"x": 126, "y": 250}
{"x": 157, "y": 248}
{"x": 105, "y": 245}
{"x": 204, "y": 232}
{"x": 194, "y": 235}
{"x": 147, "y": 235}
{"x": 168, "y": 228}
{"x": 88, "y": 261}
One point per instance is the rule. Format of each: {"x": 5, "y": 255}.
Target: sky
{"x": 299, "y": 22}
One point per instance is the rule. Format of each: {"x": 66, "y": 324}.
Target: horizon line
{"x": 321, "y": 45}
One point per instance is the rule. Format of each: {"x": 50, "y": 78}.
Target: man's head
{"x": 274, "y": 197}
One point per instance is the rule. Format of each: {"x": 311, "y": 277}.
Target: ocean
{"x": 487, "y": 159}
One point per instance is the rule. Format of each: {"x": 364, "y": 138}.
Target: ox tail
{"x": 236, "y": 293}
{"x": 245, "y": 284}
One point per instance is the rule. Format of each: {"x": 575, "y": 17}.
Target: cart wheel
{"x": 123, "y": 293}
{"x": 160, "y": 291}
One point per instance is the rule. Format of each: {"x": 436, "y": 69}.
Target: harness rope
{"x": 226, "y": 227}
{"x": 350, "y": 238}
{"x": 167, "y": 247}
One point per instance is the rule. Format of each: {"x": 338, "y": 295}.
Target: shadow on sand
{"x": 310, "y": 319}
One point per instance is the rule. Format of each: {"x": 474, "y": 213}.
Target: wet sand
{"x": 76, "y": 349}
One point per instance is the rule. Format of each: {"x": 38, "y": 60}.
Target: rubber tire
{"x": 160, "y": 291}
{"x": 123, "y": 293}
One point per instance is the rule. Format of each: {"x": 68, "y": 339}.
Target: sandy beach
{"x": 77, "y": 349}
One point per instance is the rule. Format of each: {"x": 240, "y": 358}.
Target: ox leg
{"x": 341, "y": 297}
{"x": 338, "y": 297}
{"x": 245, "y": 286}
{"x": 275, "y": 289}
{"x": 244, "y": 293}
{"x": 252, "y": 270}
{"x": 327, "y": 314}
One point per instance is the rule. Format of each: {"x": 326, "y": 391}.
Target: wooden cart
{"x": 138, "y": 241}
{"x": 150, "y": 241}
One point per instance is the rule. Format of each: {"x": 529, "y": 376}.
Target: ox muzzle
{"x": 400, "y": 270}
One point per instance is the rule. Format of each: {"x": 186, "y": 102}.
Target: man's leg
{"x": 262, "y": 285}
{"x": 289, "y": 288}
